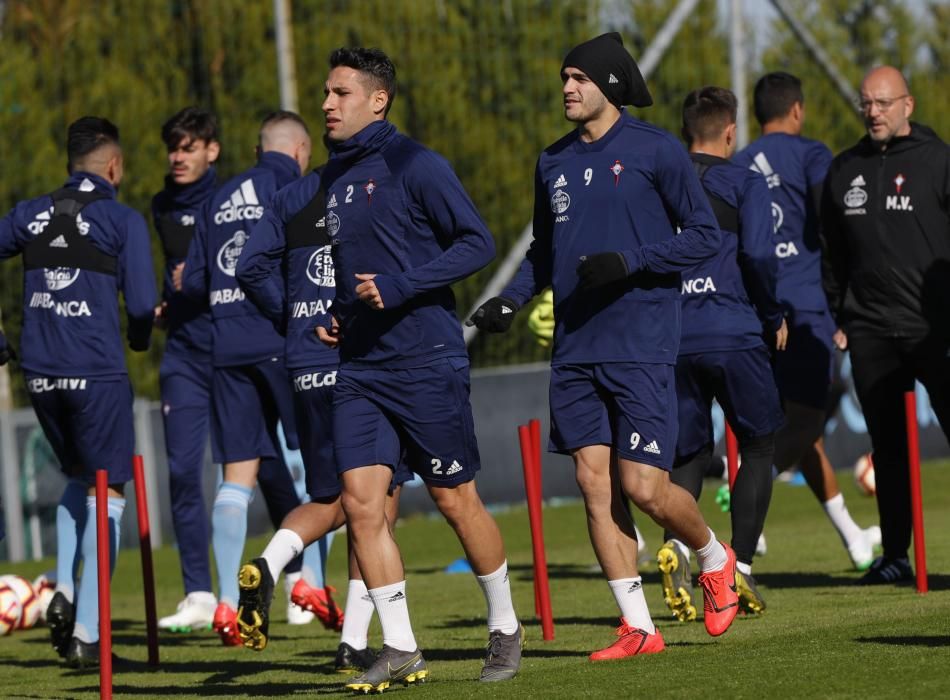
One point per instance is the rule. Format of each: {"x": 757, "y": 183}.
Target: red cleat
{"x": 320, "y": 602}
{"x": 225, "y": 624}
{"x": 720, "y": 600}
{"x": 632, "y": 641}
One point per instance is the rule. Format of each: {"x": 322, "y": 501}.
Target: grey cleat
{"x": 751, "y": 601}
{"x": 503, "y": 657}
{"x": 391, "y": 666}
{"x": 676, "y": 580}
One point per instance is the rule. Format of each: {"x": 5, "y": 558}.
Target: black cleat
{"x": 60, "y": 618}
{"x": 503, "y": 657}
{"x": 350, "y": 660}
{"x": 82, "y": 654}
{"x": 886, "y": 571}
{"x": 253, "y": 614}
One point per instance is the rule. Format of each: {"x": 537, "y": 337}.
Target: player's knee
{"x": 647, "y": 495}
{"x": 594, "y": 485}
{"x": 360, "y": 510}
{"x": 457, "y": 504}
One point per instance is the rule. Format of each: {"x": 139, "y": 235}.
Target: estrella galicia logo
{"x": 230, "y": 252}
{"x": 560, "y": 201}
{"x": 333, "y": 223}
{"x": 320, "y": 268}
{"x": 60, "y": 277}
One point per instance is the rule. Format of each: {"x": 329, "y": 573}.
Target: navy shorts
{"x": 630, "y": 406}
{"x": 804, "y": 369}
{"x": 246, "y": 403}
{"x": 88, "y": 423}
{"x": 422, "y": 415}
{"x": 740, "y": 380}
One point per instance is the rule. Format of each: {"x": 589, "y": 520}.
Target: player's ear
{"x": 214, "y": 150}
{"x": 380, "y": 101}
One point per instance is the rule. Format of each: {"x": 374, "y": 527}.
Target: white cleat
{"x": 295, "y": 614}
{"x": 862, "y": 552}
{"x": 194, "y": 613}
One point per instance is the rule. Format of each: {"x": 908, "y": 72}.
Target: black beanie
{"x": 612, "y": 68}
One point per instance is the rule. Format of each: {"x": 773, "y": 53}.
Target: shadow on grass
{"x": 813, "y": 579}
{"x": 211, "y": 689}
{"x": 525, "y": 572}
{"x": 909, "y": 640}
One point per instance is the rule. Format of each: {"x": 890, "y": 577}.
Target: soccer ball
{"x": 9, "y": 609}
{"x": 29, "y": 603}
{"x": 864, "y": 474}
{"x": 44, "y": 586}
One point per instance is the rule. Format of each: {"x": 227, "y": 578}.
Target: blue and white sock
{"x": 87, "y": 604}
{"x": 315, "y": 557}
{"x": 70, "y": 523}
{"x": 228, "y": 532}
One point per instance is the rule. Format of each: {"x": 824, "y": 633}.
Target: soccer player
{"x": 250, "y": 390}
{"x": 885, "y": 221}
{"x": 728, "y": 303}
{"x": 612, "y": 194}
{"x": 191, "y": 138}
{"x": 80, "y": 248}
{"x": 286, "y": 270}
{"x": 402, "y": 229}
{"x": 794, "y": 168}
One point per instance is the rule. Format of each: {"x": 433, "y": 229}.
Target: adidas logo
{"x": 396, "y": 597}
{"x": 635, "y": 586}
{"x": 612, "y": 79}
{"x": 454, "y": 468}
{"x": 242, "y": 205}
{"x": 653, "y": 448}
{"x": 561, "y": 181}
{"x": 858, "y": 181}
{"x": 321, "y": 223}
{"x": 332, "y": 202}
{"x": 59, "y": 242}
{"x": 506, "y": 310}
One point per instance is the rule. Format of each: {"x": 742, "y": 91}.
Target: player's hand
{"x": 330, "y": 336}
{"x": 840, "y": 340}
{"x": 781, "y": 336}
{"x": 7, "y": 353}
{"x": 161, "y": 320}
{"x": 494, "y": 316}
{"x": 368, "y": 293}
{"x": 178, "y": 273}
{"x": 601, "y": 269}
{"x": 541, "y": 319}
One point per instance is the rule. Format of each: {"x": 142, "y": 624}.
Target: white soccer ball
{"x": 29, "y": 603}
{"x": 44, "y": 586}
{"x": 864, "y": 474}
{"x": 9, "y": 610}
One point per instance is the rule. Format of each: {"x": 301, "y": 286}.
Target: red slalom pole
{"x": 537, "y": 533}
{"x": 916, "y": 495}
{"x": 732, "y": 455}
{"x": 534, "y": 426}
{"x": 103, "y": 563}
{"x": 145, "y": 544}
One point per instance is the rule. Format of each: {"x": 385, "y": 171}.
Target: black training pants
{"x": 883, "y": 369}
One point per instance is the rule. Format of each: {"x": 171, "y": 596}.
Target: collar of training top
{"x": 369, "y": 138}
{"x": 176, "y": 197}
{"x": 75, "y": 181}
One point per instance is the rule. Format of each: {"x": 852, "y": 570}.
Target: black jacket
{"x": 886, "y": 236}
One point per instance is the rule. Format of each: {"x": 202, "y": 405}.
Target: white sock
{"x": 390, "y": 602}
{"x": 712, "y": 556}
{"x": 357, "y": 615}
{"x": 744, "y": 568}
{"x": 840, "y": 517}
{"x": 632, "y": 603}
{"x": 497, "y": 590}
{"x": 283, "y": 546}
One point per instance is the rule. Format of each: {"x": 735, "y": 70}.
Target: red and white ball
{"x": 29, "y": 603}
{"x": 864, "y": 475}
{"x": 44, "y": 586}
{"x": 9, "y": 610}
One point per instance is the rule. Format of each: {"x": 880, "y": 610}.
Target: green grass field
{"x": 820, "y": 637}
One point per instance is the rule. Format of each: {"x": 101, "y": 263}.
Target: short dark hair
{"x": 373, "y": 63}
{"x": 775, "y": 94}
{"x": 284, "y": 115}
{"x": 707, "y": 112}
{"x": 191, "y": 123}
{"x": 88, "y": 134}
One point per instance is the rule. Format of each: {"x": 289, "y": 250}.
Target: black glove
{"x": 601, "y": 269}
{"x": 494, "y": 316}
{"x": 7, "y": 353}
